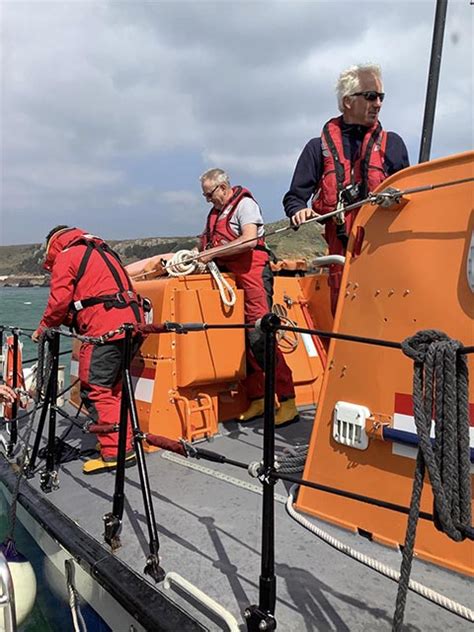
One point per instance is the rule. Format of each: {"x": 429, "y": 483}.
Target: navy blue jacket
{"x": 309, "y": 168}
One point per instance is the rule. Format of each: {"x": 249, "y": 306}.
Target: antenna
{"x": 433, "y": 80}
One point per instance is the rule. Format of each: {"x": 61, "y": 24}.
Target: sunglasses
{"x": 209, "y": 195}
{"x": 370, "y": 95}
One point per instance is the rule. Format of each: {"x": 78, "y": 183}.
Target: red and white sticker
{"x": 403, "y": 419}
{"x": 143, "y": 381}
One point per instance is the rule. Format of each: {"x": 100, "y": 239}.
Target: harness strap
{"x": 340, "y": 170}
{"x": 364, "y": 166}
{"x": 123, "y": 298}
{"x": 112, "y": 269}
{"x": 84, "y": 262}
{"x": 120, "y": 300}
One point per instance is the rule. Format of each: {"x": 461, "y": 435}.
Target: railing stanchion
{"x": 152, "y": 566}
{"x": 262, "y": 617}
{"x": 13, "y": 424}
{"x": 48, "y": 475}
{"x": 113, "y": 519}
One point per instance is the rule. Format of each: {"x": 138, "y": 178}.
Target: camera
{"x": 350, "y": 194}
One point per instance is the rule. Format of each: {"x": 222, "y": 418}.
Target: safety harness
{"x": 124, "y": 297}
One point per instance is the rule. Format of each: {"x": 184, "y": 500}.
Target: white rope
{"x": 387, "y": 571}
{"x": 225, "y": 290}
{"x": 183, "y": 263}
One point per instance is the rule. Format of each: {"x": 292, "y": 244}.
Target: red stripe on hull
{"x": 404, "y": 406}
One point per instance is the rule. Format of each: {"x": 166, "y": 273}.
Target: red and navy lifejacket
{"x": 367, "y": 172}
{"x": 219, "y": 232}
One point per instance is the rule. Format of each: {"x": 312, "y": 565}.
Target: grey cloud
{"x": 89, "y": 86}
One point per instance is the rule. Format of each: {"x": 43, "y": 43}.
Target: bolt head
{"x": 263, "y": 625}
{"x": 247, "y": 613}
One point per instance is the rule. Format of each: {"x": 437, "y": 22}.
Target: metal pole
{"x": 29, "y": 470}
{"x": 152, "y": 566}
{"x": 113, "y": 519}
{"x": 262, "y": 617}
{"x": 433, "y": 80}
{"x": 267, "y": 577}
{"x": 47, "y": 480}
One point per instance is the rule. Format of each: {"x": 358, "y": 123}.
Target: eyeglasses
{"x": 370, "y": 95}
{"x": 209, "y": 195}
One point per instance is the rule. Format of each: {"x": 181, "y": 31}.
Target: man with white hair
{"x": 353, "y": 155}
{"x": 234, "y": 237}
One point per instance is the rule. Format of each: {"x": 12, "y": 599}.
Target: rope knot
{"x": 417, "y": 346}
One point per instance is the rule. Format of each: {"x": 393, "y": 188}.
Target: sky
{"x": 110, "y": 111}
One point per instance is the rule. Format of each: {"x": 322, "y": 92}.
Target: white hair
{"x": 349, "y": 80}
{"x": 215, "y": 175}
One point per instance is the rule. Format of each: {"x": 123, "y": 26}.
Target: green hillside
{"x": 24, "y": 260}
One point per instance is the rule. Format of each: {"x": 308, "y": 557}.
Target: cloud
{"x": 111, "y": 110}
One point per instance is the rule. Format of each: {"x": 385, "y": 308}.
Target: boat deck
{"x": 209, "y": 523}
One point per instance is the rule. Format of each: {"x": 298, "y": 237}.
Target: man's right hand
{"x": 7, "y": 394}
{"x": 36, "y": 335}
{"x": 302, "y": 216}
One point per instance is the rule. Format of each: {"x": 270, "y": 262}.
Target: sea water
{"x": 23, "y": 307}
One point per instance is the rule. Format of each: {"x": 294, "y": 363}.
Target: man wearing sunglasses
{"x": 234, "y": 237}
{"x": 352, "y": 156}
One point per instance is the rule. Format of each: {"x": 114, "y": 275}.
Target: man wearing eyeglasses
{"x": 353, "y": 155}
{"x": 234, "y": 237}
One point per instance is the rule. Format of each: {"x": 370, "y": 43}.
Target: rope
{"x": 226, "y": 291}
{"x": 185, "y": 262}
{"x": 182, "y": 263}
{"x": 387, "y": 571}
{"x": 440, "y": 390}
{"x": 291, "y": 459}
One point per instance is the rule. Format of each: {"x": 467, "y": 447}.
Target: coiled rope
{"x": 291, "y": 459}
{"x": 184, "y": 262}
{"x": 383, "y": 569}
{"x": 440, "y": 392}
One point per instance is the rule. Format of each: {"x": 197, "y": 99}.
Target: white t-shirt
{"x": 247, "y": 212}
